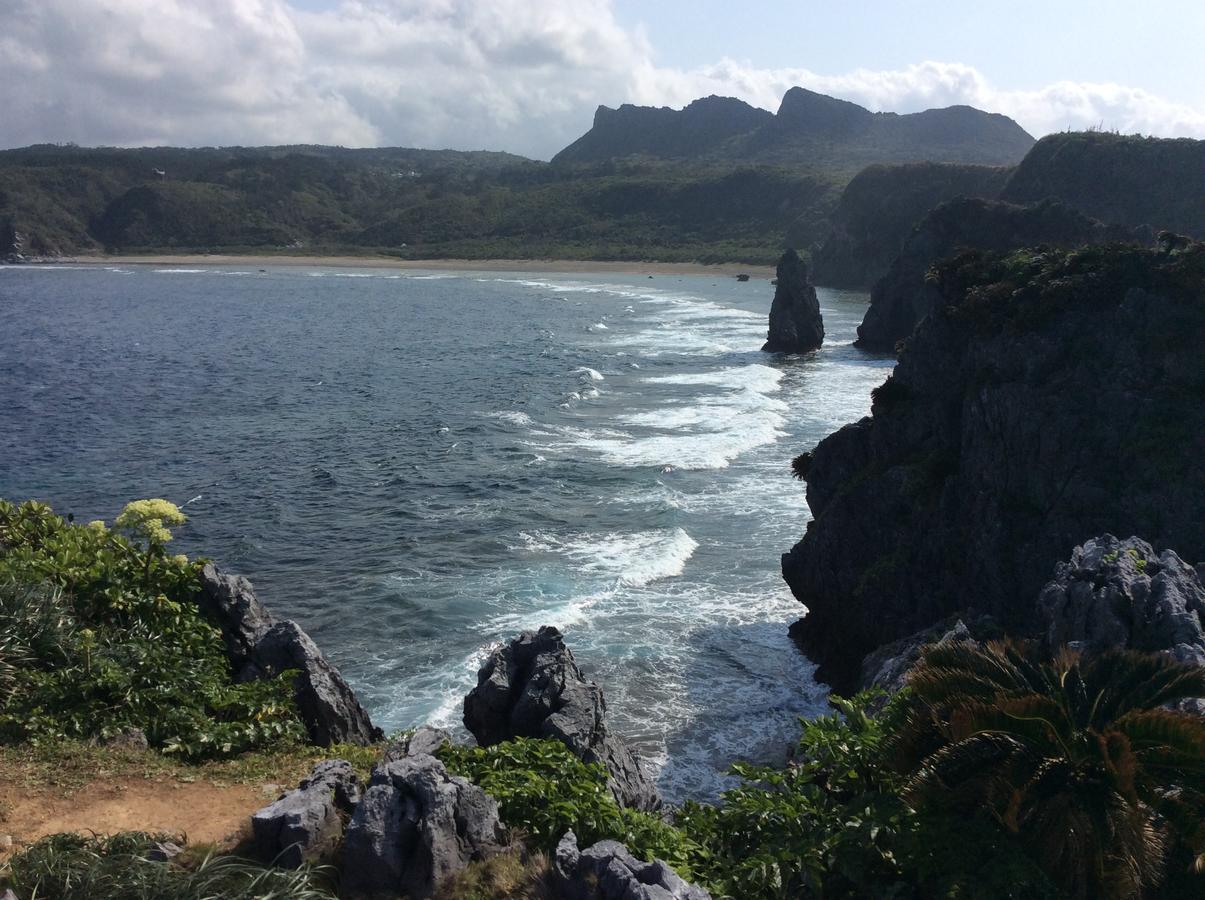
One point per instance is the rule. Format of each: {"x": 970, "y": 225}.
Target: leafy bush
{"x": 543, "y": 791}
{"x": 74, "y": 867}
{"x": 100, "y": 635}
{"x": 834, "y": 824}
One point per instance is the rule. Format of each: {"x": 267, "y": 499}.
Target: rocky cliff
{"x": 1049, "y": 396}
{"x": 878, "y": 210}
{"x": 902, "y": 297}
{"x": 698, "y": 128}
{"x": 1122, "y": 179}
{"x": 809, "y": 129}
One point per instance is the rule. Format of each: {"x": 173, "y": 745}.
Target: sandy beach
{"x": 727, "y": 270}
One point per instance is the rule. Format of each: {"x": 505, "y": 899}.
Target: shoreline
{"x": 568, "y": 266}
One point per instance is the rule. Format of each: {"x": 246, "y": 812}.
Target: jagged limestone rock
{"x": 533, "y": 688}
{"x": 1122, "y": 593}
{"x": 424, "y": 740}
{"x": 260, "y": 646}
{"x": 888, "y": 667}
{"x": 415, "y": 826}
{"x": 306, "y": 824}
{"x": 608, "y": 871}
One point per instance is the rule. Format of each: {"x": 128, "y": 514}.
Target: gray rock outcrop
{"x": 415, "y": 826}
{"x": 1121, "y": 593}
{"x": 306, "y": 824}
{"x": 423, "y": 741}
{"x": 888, "y": 667}
{"x": 608, "y": 871}
{"x": 533, "y": 688}
{"x": 259, "y": 645}
{"x": 796, "y": 325}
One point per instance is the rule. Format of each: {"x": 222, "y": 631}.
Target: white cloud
{"x": 519, "y": 75}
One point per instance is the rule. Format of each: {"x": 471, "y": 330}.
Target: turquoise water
{"x": 419, "y": 465}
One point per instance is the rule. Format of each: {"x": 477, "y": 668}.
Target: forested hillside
{"x": 409, "y": 203}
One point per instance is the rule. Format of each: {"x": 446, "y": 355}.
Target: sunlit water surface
{"x": 417, "y": 466}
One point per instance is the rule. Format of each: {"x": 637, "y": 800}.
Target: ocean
{"x": 417, "y": 466}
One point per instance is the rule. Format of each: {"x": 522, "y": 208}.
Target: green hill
{"x": 1122, "y": 179}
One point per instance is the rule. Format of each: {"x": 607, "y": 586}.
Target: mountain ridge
{"x": 808, "y": 128}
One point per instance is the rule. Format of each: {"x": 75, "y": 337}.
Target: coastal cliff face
{"x": 878, "y": 210}
{"x": 902, "y": 297}
{"x": 1047, "y": 398}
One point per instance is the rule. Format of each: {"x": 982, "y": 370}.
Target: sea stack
{"x": 796, "y": 325}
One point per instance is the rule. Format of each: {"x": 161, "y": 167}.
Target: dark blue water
{"x": 418, "y": 466}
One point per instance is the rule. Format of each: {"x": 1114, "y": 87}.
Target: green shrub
{"x": 74, "y": 867}
{"x": 543, "y": 790}
{"x": 834, "y": 824}
{"x": 100, "y": 635}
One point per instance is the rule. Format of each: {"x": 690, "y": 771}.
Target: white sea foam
{"x": 587, "y": 374}
{"x": 633, "y": 559}
{"x": 512, "y": 417}
{"x": 690, "y": 450}
{"x": 762, "y": 379}
{"x": 180, "y": 271}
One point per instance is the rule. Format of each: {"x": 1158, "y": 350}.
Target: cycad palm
{"x": 1077, "y": 754}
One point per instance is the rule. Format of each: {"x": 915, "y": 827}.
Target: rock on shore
{"x": 259, "y": 645}
{"x": 608, "y": 870}
{"x": 416, "y": 826}
{"x": 533, "y": 688}
{"x": 306, "y": 824}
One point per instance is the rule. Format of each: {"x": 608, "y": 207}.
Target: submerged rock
{"x": 259, "y": 645}
{"x": 796, "y": 325}
{"x": 608, "y": 871}
{"x": 1115, "y": 593}
{"x": 533, "y": 688}
{"x": 415, "y": 826}
{"x": 306, "y": 824}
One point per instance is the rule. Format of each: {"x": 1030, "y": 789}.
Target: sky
{"x": 525, "y": 76}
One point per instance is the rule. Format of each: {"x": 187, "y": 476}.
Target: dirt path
{"x": 203, "y": 811}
